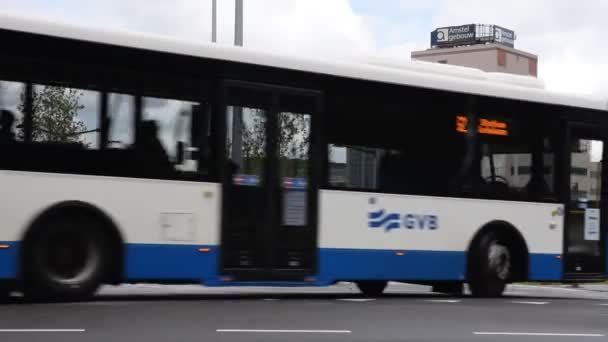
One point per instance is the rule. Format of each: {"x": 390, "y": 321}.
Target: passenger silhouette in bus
{"x": 7, "y": 119}
{"x": 156, "y": 160}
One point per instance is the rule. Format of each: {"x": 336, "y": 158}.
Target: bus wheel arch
{"x": 516, "y": 250}
{"x": 104, "y": 228}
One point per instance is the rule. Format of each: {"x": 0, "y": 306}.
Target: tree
{"x": 293, "y": 141}
{"x": 55, "y": 114}
{"x": 253, "y": 137}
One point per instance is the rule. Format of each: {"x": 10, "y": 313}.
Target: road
{"x": 407, "y": 313}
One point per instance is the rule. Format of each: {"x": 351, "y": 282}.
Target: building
{"x": 491, "y": 57}
{"x": 490, "y": 48}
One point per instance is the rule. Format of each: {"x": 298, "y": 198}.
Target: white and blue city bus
{"x": 137, "y": 158}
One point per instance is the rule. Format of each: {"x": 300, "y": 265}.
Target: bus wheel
{"x": 491, "y": 266}
{"x": 5, "y": 292}
{"x": 65, "y": 259}
{"x": 372, "y": 288}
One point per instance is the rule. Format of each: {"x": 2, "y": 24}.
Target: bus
{"x": 129, "y": 157}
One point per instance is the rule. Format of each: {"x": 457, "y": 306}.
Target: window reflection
{"x": 246, "y": 144}
{"x": 65, "y": 115}
{"x": 173, "y": 120}
{"x": 121, "y": 120}
{"x": 11, "y": 105}
{"x": 354, "y": 167}
{"x": 294, "y": 144}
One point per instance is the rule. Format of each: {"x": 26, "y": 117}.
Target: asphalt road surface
{"x": 407, "y": 313}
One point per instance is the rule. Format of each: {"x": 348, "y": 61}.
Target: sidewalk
{"x": 597, "y": 287}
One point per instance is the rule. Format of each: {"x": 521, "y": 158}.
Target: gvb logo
{"x": 389, "y": 221}
{"x": 378, "y": 219}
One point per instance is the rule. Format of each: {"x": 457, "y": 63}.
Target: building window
{"x": 502, "y": 58}
{"x": 533, "y": 67}
{"x": 579, "y": 171}
{"x": 443, "y": 61}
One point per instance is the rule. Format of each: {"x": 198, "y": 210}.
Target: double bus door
{"x": 585, "y": 220}
{"x": 269, "y": 228}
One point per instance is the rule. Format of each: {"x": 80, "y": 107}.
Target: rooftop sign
{"x": 452, "y": 36}
{"x": 504, "y": 36}
{"x": 472, "y": 34}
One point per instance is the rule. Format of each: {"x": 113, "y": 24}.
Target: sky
{"x": 568, "y": 36}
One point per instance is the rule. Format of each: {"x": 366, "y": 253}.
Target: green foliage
{"x": 294, "y": 138}
{"x": 55, "y": 114}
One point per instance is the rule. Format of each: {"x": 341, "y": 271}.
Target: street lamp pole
{"x": 237, "y": 117}
{"x": 238, "y": 23}
{"x": 214, "y": 21}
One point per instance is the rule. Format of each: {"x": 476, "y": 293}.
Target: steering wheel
{"x": 498, "y": 184}
{"x": 496, "y": 178}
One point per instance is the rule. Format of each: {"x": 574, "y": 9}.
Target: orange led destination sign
{"x": 486, "y": 126}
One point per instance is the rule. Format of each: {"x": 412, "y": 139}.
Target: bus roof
{"x": 418, "y": 74}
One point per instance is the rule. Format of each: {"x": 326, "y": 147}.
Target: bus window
{"x": 548, "y": 167}
{"x": 121, "y": 120}
{"x": 173, "y": 119}
{"x": 354, "y": 167}
{"x": 294, "y": 146}
{"x": 518, "y": 165}
{"x": 11, "y": 94}
{"x": 246, "y": 144}
{"x": 506, "y": 168}
{"x": 401, "y": 142}
{"x": 65, "y": 116}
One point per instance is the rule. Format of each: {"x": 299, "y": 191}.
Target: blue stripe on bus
{"x": 186, "y": 262}
{"x": 363, "y": 264}
{"x": 9, "y": 260}
{"x": 169, "y": 262}
{"x": 369, "y": 264}
{"x": 545, "y": 267}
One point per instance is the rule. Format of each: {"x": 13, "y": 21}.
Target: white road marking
{"x": 536, "y": 334}
{"x": 532, "y": 303}
{"x": 357, "y": 299}
{"x": 444, "y": 300}
{"x": 271, "y": 299}
{"x": 41, "y": 330}
{"x": 283, "y": 331}
{"x": 604, "y": 304}
{"x": 546, "y": 287}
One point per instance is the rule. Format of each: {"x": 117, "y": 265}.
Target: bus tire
{"x": 490, "y": 265}
{"x": 372, "y": 288}
{"x": 5, "y": 292}
{"x": 65, "y": 258}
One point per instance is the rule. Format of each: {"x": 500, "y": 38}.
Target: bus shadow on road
{"x": 270, "y": 297}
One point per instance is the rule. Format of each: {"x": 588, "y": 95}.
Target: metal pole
{"x": 238, "y": 23}
{"x": 214, "y": 21}
{"x": 237, "y": 111}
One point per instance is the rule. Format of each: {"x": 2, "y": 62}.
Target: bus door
{"x": 585, "y": 205}
{"x": 270, "y": 183}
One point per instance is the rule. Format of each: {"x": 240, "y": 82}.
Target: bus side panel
{"x": 170, "y": 228}
{"x": 401, "y": 237}
{"x": 9, "y": 256}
